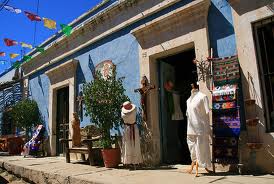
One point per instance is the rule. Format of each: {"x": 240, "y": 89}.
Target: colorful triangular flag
{"x": 40, "y": 49}
{"x": 32, "y": 16}
{"x": 26, "y": 58}
{"x": 13, "y": 9}
{"x": 51, "y": 24}
{"x": 13, "y": 55}
{"x": 16, "y": 64}
{"x": 66, "y": 29}
{"x": 10, "y": 42}
{"x": 2, "y": 54}
{"x": 26, "y": 45}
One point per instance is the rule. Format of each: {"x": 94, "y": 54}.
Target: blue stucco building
{"x": 138, "y": 36}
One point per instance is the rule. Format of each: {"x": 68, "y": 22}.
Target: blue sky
{"x": 18, "y": 27}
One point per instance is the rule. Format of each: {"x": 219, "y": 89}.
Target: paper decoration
{"x": 16, "y": 64}
{"x": 26, "y": 45}
{"x": 66, "y": 29}
{"x": 32, "y": 16}
{"x": 13, "y": 9}
{"x": 12, "y": 55}
{"x": 10, "y": 42}
{"x": 2, "y": 54}
{"x": 26, "y": 58}
{"x": 51, "y": 24}
{"x": 40, "y": 49}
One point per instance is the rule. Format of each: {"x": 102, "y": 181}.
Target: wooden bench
{"x": 89, "y": 149}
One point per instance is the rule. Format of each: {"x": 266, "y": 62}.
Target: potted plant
{"x": 103, "y": 99}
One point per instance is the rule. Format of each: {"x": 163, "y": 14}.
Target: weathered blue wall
{"x": 122, "y": 48}
{"x": 123, "y": 52}
{"x": 221, "y": 29}
{"x": 7, "y": 76}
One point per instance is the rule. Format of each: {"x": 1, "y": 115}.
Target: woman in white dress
{"x": 131, "y": 150}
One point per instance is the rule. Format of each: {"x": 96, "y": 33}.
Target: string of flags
{"x": 48, "y": 23}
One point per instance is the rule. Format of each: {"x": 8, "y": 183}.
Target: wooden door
{"x": 62, "y": 118}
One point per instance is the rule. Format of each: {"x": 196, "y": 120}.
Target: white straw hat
{"x": 128, "y": 107}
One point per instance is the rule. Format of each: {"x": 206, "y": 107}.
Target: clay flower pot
{"x": 111, "y": 157}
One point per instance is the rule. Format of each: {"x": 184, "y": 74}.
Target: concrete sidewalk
{"x": 54, "y": 170}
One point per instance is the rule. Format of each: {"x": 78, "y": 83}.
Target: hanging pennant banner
{"x": 16, "y": 64}
{"x": 12, "y": 55}
{"x": 13, "y": 9}
{"x": 32, "y": 16}
{"x": 2, "y": 54}
{"x": 66, "y": 29}
{"x": 10, "y": 42}
{"x": 26, "y": 45}
{"x": 26, "y": 58}
{"x": 40, "y": 49}
{"x": 51, "y": 24}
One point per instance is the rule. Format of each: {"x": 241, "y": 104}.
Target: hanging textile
{"x": 10, "y": 42}
{"x": 13, "y": 9}
{"x": 226, "y": 119}
{"x": 32, "y": 16}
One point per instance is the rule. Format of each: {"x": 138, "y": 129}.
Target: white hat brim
{"x": 125, "y": 111}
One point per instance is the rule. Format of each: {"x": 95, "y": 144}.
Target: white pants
{"x": 199, "y": 149}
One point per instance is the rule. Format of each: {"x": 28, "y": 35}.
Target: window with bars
{"x": 264, "y": 39}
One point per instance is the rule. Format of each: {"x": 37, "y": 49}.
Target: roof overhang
{"x": 194, "y": 13}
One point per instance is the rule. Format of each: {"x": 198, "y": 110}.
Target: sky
{"x": 18, "y": 27}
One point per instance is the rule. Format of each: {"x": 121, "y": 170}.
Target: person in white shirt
{"x": 198, "y": 129}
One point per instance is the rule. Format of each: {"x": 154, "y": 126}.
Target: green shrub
{"x": 103, "y": 100}
{"x": 25, "y": 114}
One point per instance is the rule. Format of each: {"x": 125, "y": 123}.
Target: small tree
{"x": 25, "y": 114}
{"x": 103, "y": 100}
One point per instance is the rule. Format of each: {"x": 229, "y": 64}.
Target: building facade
{"x": 152, "y": 38}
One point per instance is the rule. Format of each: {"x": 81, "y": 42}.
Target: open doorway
{"x": 62, "y": 118}
{"x": 181, "y": 71}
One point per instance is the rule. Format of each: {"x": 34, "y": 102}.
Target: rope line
{"x": 35, "y": 25}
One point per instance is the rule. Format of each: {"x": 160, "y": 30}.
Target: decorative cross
{"x": 203, "y": 69}
{"x": 146, "y": 87}
{"x": 80, "y": 100}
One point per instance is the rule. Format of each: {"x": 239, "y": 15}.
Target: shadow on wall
{"x": 221, "y": 31}
{"x": 265, "y": 155}
{"x": 244, "y": 6}
{"x": 41, "y": 84}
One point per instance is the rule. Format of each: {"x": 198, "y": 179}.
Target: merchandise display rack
{"x": 226, "y": 118}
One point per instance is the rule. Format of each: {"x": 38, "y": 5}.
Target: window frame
{"x": 255, "y": 27}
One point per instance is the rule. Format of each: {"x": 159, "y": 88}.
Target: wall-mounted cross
{"x": 80, "y": 100}
{"x": 146, "y": 87}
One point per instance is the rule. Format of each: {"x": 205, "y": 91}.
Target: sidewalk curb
{"x": 41, "y": 177}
